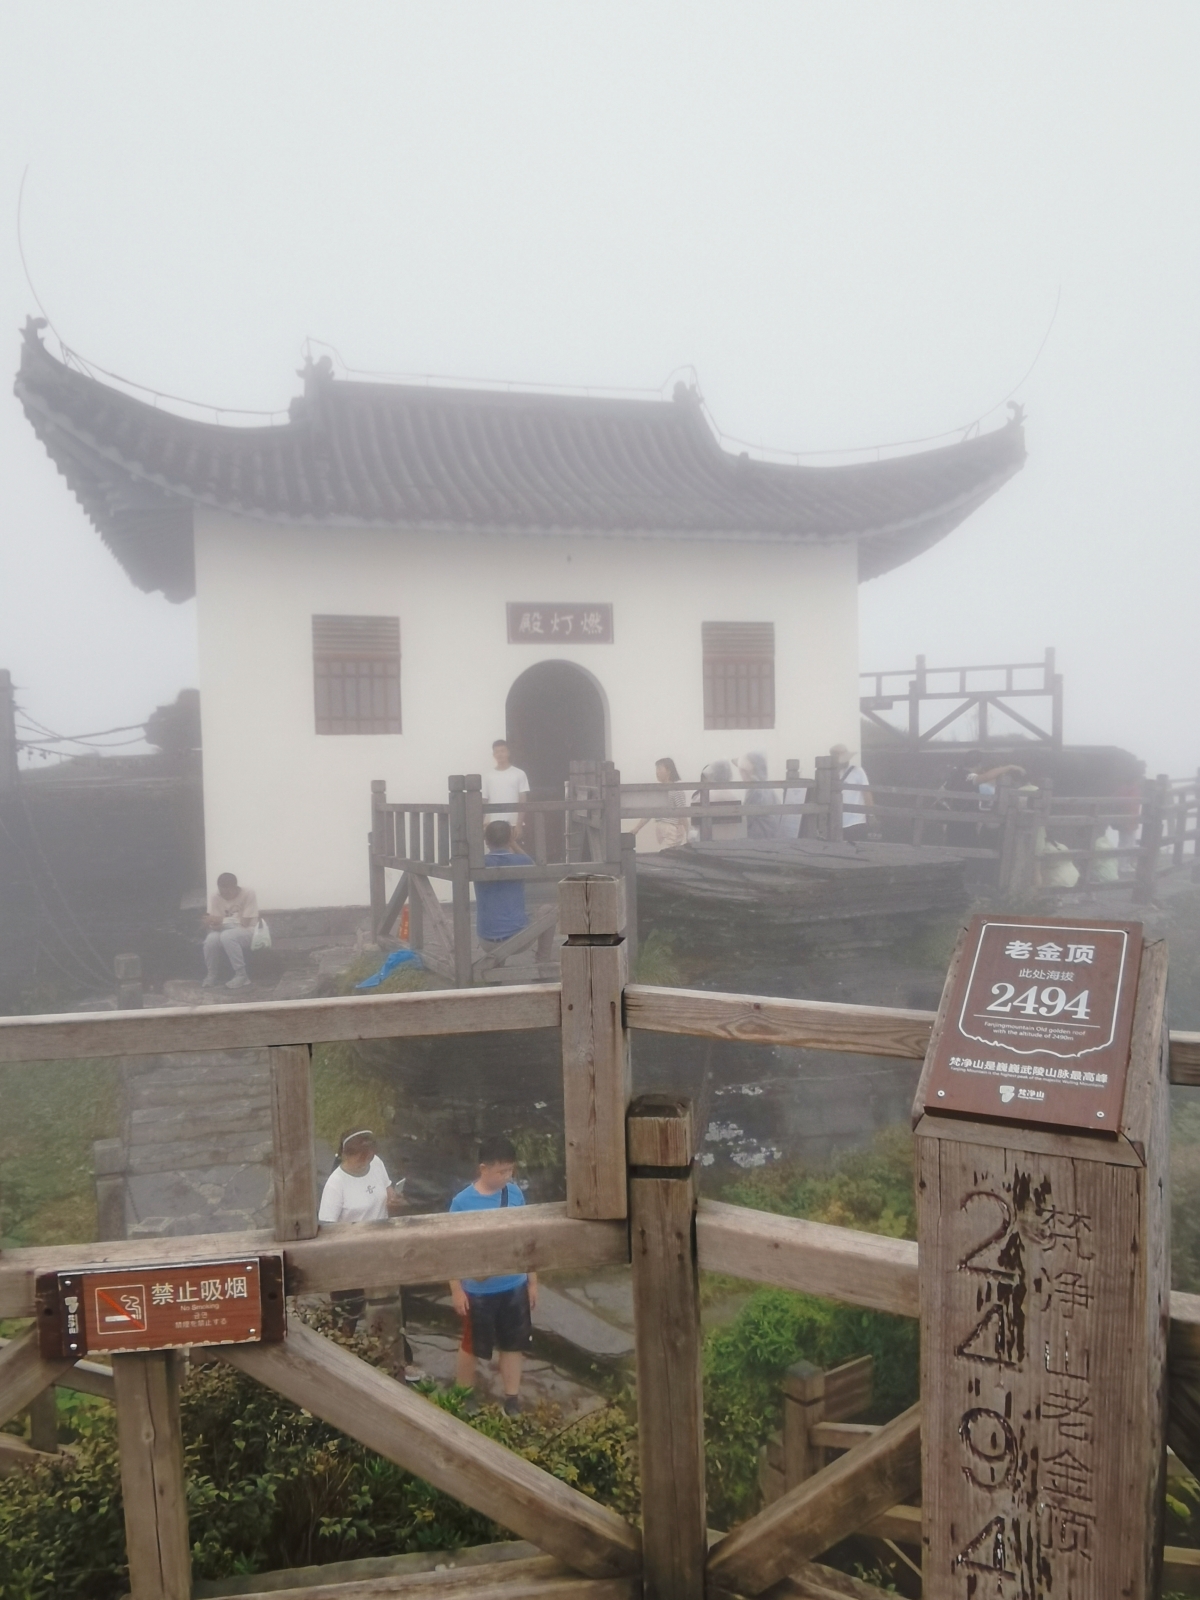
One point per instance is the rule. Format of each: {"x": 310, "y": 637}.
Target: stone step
{"x": 200, "y": 1070}
{"x": 155, "y": 1123}
{"x": 170, "y": 1155}
{"x": 196, "y": 1092}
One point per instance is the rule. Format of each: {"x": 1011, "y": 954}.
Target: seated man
{"x": 231, "y": 920}
{"x": 500, "y": 907}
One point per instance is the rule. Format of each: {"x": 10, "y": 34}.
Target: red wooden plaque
{"x": 1039, "y": 1023}
{"x": 559, "y": 622}
{"x": 161, "y": 1307}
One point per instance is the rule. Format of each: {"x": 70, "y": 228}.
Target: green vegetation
{"x": 270, "y": 1486}
{"x": 52, "y": 1112}
{"x": 744, "y": 1362}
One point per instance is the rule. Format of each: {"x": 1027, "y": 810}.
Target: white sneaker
{"x": 209, "y": 983}
{"x": 238, "y": 983}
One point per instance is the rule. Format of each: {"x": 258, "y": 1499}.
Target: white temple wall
{"x": 287, "y": 809}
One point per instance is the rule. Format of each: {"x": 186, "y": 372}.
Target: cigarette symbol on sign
{"x": 121, "y": 1308}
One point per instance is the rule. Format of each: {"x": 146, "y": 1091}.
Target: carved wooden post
{"x": 610, "y": 811}
{"x": 1044, "y": 1283}
{"x": 595, "y": 1045}
{"x": 376, "y": 878}
{"x": 293, "y": 1157}
{"x": 460, "y": 881}
{"x": 662, "y": 1226}
{"x": 152, "y": 1480}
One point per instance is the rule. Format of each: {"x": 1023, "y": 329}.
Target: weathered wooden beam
{"x": 420, "y": 1249}
{"x": 293, "y": 1153}
{"x": 666, "y": 1301}
{"x": 23, "y": 1372}
{"x": 85, "y": 1377}
{"x": 1185, "y": 1058}
{"x": 807, "y": 1520}
{"x": 842, "y": 1435}
{"x": 405, "y": 1428}
{"x": 153, "y": 1491}
{"x": 758, "y": 1019}
{"x": 863, "y": 1269}
{"x": 902, "y": 1525}
{"x": 1181, "y": 1570}
{"x": 539, "y": 1578}
{"x": 276, "y": 1022}
{"x": 815, "y": 1582}
{"x": 16, "y": 1455}
{"x": 595, "y": 1045}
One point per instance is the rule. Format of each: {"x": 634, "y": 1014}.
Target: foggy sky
{"x": 853, "y": 220}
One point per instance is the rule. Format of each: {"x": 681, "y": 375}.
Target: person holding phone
{"x": 360, "y": 1190}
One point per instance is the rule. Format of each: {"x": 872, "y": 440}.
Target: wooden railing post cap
{"x": 473, "y": 781}
{"x": 659, "y": 1131}
{"x": 802, "y": 1381}
{"x": 591, "y": 905}
{"x": 378, "y": 785}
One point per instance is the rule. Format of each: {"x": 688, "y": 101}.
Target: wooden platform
{"x": 807, "y": 880}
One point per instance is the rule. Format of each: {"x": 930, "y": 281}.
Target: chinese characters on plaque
{"x": 161, "y": 1307}
{"x": 1039, "y": 1023}
{"x": 543, "y": 622}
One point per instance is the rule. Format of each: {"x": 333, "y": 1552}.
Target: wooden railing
{"x": 974, "y": 689}
{"x": 630, "y": 1199}
{"x": 1023, "y": 831}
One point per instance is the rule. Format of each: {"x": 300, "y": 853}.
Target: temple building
{"x": 399, "y": 574}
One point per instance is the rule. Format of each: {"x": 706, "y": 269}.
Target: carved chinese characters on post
{"x": 559, "y": 622}
{"x": 1038, "y": 1023}
{"x": 1022, "y": 1384}
{"x": 161, "y": 1307}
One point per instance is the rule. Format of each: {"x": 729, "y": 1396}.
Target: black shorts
{"x": 500, "y": 1321}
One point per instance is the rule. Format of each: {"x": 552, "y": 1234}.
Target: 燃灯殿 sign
{"x": 160, "y": 1307}
{"x": 1037, "y": 1023}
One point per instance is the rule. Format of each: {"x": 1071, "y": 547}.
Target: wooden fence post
{"x": 8, "y": 732}
{"x": 610, "y": 812}
{"x": 595, "y": 1045}
{"x": 1156, "y": 796}
{"x": 128, "y": 973}
{"x": 152, "y": 1479}
{"x": 293, "y": 1157}
{"x": 376, "y": 877}
{"x": 474, "y": 819}
{"x": 43, "y": 1421}
{"x": 662, "y": 1228}
{"x": 460, "y": 881}
{"x": 803, "y": 1408}
{"x": 629, "y": 879}
{"x": 1044, "y": 1283}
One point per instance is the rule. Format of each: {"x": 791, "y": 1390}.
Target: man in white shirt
{"x": 231, "y": 921}
{"x": 504, "y": 783}
{"x": 855, "y": 793}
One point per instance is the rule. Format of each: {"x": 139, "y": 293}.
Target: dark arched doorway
{"x": 554, "y": 715}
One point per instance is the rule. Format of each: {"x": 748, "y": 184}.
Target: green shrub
{"x": 270, "y": 1486}
{"x": 744, "y": 1364}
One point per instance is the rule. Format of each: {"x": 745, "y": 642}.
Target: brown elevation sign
{"x": 1038, "y": 1024}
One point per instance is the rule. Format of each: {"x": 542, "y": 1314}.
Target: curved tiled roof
{"x": 397, "y": 456}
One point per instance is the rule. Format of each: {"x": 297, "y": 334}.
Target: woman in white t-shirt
{"x": 357, "y": 1190}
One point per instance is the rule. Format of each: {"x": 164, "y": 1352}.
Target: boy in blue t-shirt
{"x": 496, "y": 1311}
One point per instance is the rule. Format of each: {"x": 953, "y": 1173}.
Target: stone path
{"x": 197, "y": 1140}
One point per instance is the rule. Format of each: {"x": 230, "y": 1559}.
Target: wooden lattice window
{"x": 739, "y": 674}
{"x": 356, "y": 674}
